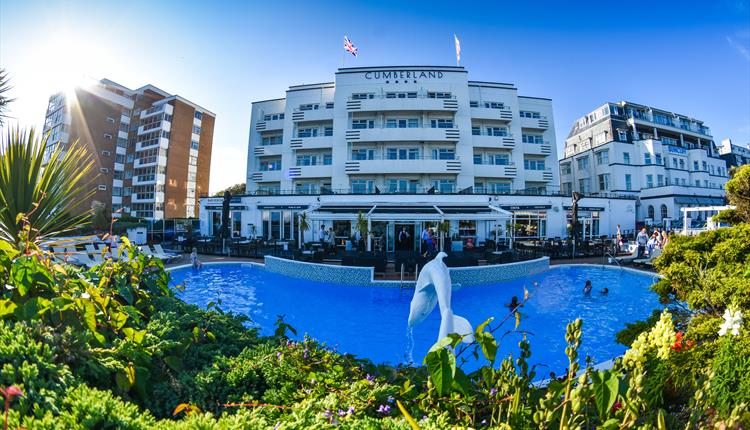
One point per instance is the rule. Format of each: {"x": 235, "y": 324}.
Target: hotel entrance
{"x": 404, "y": 237}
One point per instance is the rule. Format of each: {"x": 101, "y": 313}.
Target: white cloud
{"x": 743, "y": 50}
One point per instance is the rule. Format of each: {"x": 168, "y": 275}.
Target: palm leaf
{"x": 51, "y": 195}
{"x": 4, "y": 100}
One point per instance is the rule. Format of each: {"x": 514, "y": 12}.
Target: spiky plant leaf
{"x": 51, "y": 195}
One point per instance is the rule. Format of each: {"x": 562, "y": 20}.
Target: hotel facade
{"x": 667, "y": 160}
{"x": 405, "y": 147}
{"x": 151, "y": 149}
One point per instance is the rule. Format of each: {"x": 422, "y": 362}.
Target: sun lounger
{"x": 82, "y": 259}
{"x": 166, "y": 256}
{"x": 650, "y": 259}
{"x": 628, "y": 258}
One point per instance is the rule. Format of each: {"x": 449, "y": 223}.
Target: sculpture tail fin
{"x": 463, "y": 327}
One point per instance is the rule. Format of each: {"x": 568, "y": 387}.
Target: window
{"x": 626, "y": 157}
{"x": 602, "y": 157}
{"x": 410, "y": 95}
{"x": 650, "y": 212}
{"x": 103, "y": 170}
{"x": 622, "y": 135}
{"x": 196, "y": 129}
{"x": 359, "y": 124}
{"x": 107, "y": 136}
{"x": 600, "y": 138}
{"x": 270, "y": 166}
{"x": 476, "y": 131}
{"x": 307, "y": 160}
{"x": 498, "y": 188}
{"x": 327, "y": 159}
{"x": 565, "y": 169}
{"x": 402, "y": 154}
{"x": 493, "y": 105}
{"x": 584, "y": 185}
{"x": 444, "y": 154}
{"x": 110, "y": 120}
{"x": 527, "y": 114}
{"x": 273, "y": 116}
{"x": 307, "y": 132}
{"x": 477, "y": 158}
{"x": 194, "y": 145}
{"x": 362, "y": 96}
{"x": 102, "y": 188}
{"x": 441, "y": 123}
{"x": 532, "y": 138}
{"x": 498, "y": 159}
{"x": 363, "y": 154}
{"x": 583, "y": 163}
{"x": 497, "y": 131}
{"x": 120, "y": 158}
{"x": 664, "y": 212}
{"x": 695, "y": 166}
{"x": 659, "y": 180}
{"x": 697, "y": 183}
{"x": 533, "y": 164}
{"x": 647, "y": 158}
{"x": 566, "y": 188}
{"x": 362, "y": 186}
{"x": 309, "y": 106}
{"x": 123, "y": 127}
{"x": 117, "y": 191}
{"x": 628, "y": 183}
{"x": 444, "y": 185}
{"x": 328, "y": 131}
{"x": 674, "y": 163}
{"x": 604, "y": 182}
{"x": 473, "y": 103}
{"x": 439, "y": 95}
{"x": 271, "y": 140}
{"x": 402, "y": 186}
{"x": 107, "y": 153}
{"x": 682, "y": 164}
{"x": 658, "y": 159}
{"x": 198, "y": 115}
{"x": 649, "y": 181}
{"x": 402, "y": 123}
{"x": 704, "y": 167}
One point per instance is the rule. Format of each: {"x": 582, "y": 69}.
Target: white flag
{"x": 458, "y": 48}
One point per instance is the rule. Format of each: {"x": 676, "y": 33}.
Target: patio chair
{"x": 166, "y": 256}
{"x": 649, "y": 260}
{"x": 82, "y": 259}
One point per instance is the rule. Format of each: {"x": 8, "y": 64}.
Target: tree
{"x": 4, "y": 100}
{"x": 100, "y": 219}
{"x": 45, "y": 197}
{"x": 234, "y": 190}
{"x": 738, "y": 194}
{"x": 361, "y": 226}
{"x": 304, "y": 225}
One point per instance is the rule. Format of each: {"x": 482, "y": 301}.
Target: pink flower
{"x": 11, "y": 392}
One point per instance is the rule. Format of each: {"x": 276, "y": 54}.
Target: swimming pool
{"x": 370, "y": 322}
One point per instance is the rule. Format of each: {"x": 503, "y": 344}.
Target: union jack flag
{"x": 349, "y": 46}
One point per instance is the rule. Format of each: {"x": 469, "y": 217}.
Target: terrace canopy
{"x": 407, "y": 213}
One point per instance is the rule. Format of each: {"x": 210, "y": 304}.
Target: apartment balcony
{"x": 274, "y": 124}
{"x": 317, "y": 142}
{"x": 263, "y": 150}
{"x": 696, "y": 131}
{"x": 495, "y": 171}
{"x": 382, "y": 104}
{"x": 538, "y": 175}
{"x": 535, "y": 123}
{"x": 318, "y": 171}
{"x": 537, "y": 148}
{"x": 403, "y": 134}
{"x": 419, "y": 165}
{"x": 142, "y": 198}
{"x": 491, "y": 114}
{"x": 271, "y": 176}
{"x": 682, "y": 190}
{"x": 312, "y": 115}
{"x": 148, "y": 179}
{"x": 496, "y": 142}
{"x": 163, "y": 144}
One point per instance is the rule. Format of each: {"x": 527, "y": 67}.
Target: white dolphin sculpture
{"x": 434, "y": 287}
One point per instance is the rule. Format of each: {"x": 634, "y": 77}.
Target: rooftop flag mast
{"x": 458, "y": 49}
{"x": 349, "y": 47}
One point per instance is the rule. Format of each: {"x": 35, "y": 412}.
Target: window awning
{"x": 410, "y": 212}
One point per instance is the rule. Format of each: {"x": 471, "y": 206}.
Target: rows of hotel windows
{"x": 645, "y": 114}
{"x": 584, "y": 184}
{"x": 677, "y": 163}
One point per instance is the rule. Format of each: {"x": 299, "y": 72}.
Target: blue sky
{"x": 689, "y": 57}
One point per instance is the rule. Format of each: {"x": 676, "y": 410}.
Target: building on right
{"x": 734, "y": 155}
{"x": 667, "y": 160}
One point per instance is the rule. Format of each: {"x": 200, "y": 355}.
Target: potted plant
{"x": 443, "y": 229}
{"x": 361, "y": 226}
{"x": 303, "y": 227}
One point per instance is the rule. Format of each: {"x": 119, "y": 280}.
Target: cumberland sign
{"x": 404, "y": 74}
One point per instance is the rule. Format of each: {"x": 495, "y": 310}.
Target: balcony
{"x": 538, "y": 175}
{"x": 496, "y": 142}
{"x": 271, "y": 176}
{"x": 382, "y": 104}
{"x": 537, "y": 148}
{"x": 318, "y": 142}
{"x": 318, "y": 171}
{"x": 148, "y": 179}
{"x": 403, "y": 134}
{"x": 682, "y": 190}
{"x": 163, "y": 144}
{"x": 274, "y": 124}
{"x": 263, "y": 150}
{"x": 418, "y": 165}
{"x": 535, "y": 123}
{"x": 491, "y": 114}
{"x": 312, "y": 115}
{"x": 495, "y": 170}
{"x": 693, "y": 130}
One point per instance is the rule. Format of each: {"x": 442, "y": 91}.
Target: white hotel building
{"x": 667, "y": 160}
{"x": 404, "y": 146}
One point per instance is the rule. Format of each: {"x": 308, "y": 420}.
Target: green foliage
{"x": 100, "y": 217}
{"x": 236, "y": 189}
{"x": 738, "y": 191}
{"x": 47, "y": 197}
{"x": 4, "y": 99}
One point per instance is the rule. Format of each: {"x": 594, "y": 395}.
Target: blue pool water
{"x": 370, "y": 322}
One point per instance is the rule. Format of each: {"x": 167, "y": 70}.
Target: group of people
{"x": 429, "y": 242}
{"x": 648, "y": 242}
{"x": 327, "y": 238}
{"x": 588, "y": 287}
